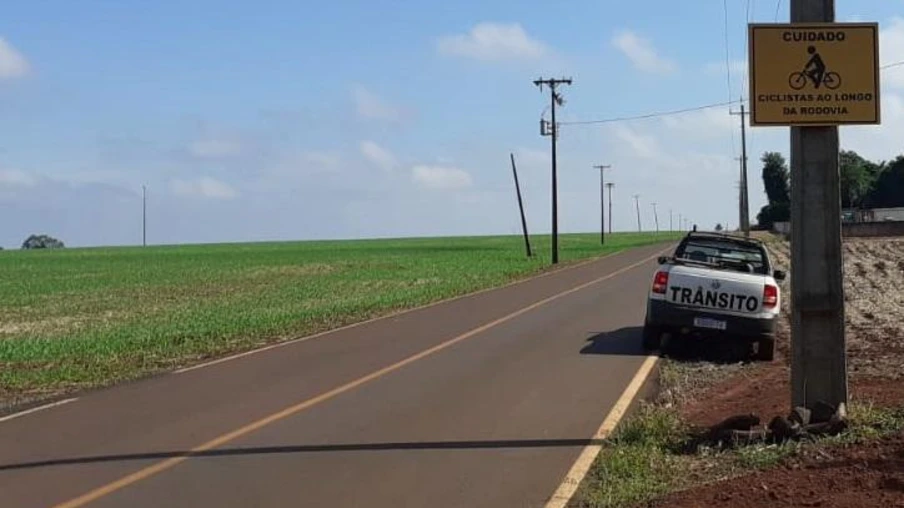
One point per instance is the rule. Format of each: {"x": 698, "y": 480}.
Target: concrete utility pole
{"x": 744, "y": 200}
{"x": 670, "y": 220}
{"x": 554, "y": 98}
{"x": 144, "y": 216}
{"x": 819, "y": 362}
{"x": 680, "y": 222}
{"x": 637, "y": 205}
{"x": 609, "y": 186}
{"x": 602, "y": 208}
{"x": 656, "y": 217}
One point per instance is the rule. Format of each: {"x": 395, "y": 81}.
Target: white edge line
{"x": 36, "y": 409}
{"x": 582, "y": 465}
{"x": 401, "y": 312}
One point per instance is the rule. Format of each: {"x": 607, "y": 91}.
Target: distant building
{"x": 873, "y": 215}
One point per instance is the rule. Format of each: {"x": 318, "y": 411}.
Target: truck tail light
{"x": 770, "y": 296}
{"x": 660, "y": 282}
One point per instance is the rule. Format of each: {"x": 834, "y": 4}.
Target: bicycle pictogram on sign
{"x": 815, "y": 71}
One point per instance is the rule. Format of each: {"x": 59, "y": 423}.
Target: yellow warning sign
{"x": 811, "y": 74}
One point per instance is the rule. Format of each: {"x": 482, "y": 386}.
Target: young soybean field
{"x": 79, "y": 318}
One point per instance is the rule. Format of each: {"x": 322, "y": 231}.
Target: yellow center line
{"x": 159, "y": 467}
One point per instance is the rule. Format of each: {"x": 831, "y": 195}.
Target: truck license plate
{"x": 709, "y": 323}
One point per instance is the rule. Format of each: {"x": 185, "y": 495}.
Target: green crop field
{"x": 77, "y": 318}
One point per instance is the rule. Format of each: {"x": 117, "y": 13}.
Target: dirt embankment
{"x": 866, "y": 475}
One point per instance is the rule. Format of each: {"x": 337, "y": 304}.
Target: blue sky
{"x": 276, "y": 120}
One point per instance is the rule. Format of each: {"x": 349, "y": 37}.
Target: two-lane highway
{"x": 486, "y": 400}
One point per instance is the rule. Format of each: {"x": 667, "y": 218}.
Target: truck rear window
{"x": 728, "y": 255}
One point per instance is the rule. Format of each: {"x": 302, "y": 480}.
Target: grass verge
{"x": 77, "y": 318}
{"x": 644, "y": 461}
{"x": 636, "y": 463}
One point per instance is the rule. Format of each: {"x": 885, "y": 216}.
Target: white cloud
{"x": 12, "y": 63}
{"x": 378, "y": 155}
{"x": 702, "y": 125}
{"x": 493, "y": 42}
{"x": 738, "y": 68}
{"x": 879, "y": 142}
{"x": 891, "y": 49}
{"x": 642, "y": 145}
{"x": 297, "y": 167}
{"x": 16, "y": 178}
{"x": 642, "y": 53}
{"x": 530, "y": 156}
{"x": 204, "y": 187}
{"x": 322, "y": 160}
{"x": 370, "y": 106}
{"x": 438, "y": 177}
{"x": 215, "y": 148}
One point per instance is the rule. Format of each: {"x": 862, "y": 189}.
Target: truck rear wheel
{"x": 766, "y": 350}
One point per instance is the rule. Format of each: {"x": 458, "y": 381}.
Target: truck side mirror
{"x": 779, "y": 275}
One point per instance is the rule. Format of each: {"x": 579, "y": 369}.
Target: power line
{"x": 727, "y": 50}
{"x": 778, "y": 6}
{"x": 745, "y": 92}
{"x": 659, "y": 114}
{"x": 750, "y": 15}
{"x": 654, "y": 115}
{"x": 728, "y": 67}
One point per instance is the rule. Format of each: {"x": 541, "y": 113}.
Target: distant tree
{"x": 858, "y": 178}
{"x": 42, "y": 242}
{"x": 777, "y": 180}
{"x": 719, "y": 227}
{"x": 770, "y": 214}
{"x": 888, "y": 188}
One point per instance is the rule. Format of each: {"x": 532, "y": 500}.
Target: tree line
{"x": 42, "y": 242}
{"x": 865, "y": 184}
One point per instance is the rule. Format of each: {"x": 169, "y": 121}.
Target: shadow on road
{"x": 707, "y": 349}
{"x": 628, "y": 342}
{"x": 325, "y": 448}
{"x": 621, "y": 342}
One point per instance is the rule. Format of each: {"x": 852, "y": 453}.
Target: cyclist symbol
{"x": 814, "y": 71}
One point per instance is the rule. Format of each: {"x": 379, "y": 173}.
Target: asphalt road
{"x": 481, "y": 401}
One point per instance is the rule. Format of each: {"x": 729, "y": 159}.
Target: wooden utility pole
{"x": 819, "y": 363}
{"x": 656, "y": 217}
{"x": 521, "y": 207}
{"x": 744, "y": 199}
{"x": 144, "y": 216}
{"x": 554, "y": 99}
{"x": 637, "y": 205}
{"x": 609, "y": 186}
{"x": 602, "y": 207}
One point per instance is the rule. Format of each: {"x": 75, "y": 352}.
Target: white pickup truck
{"x": 715, "y": 285}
